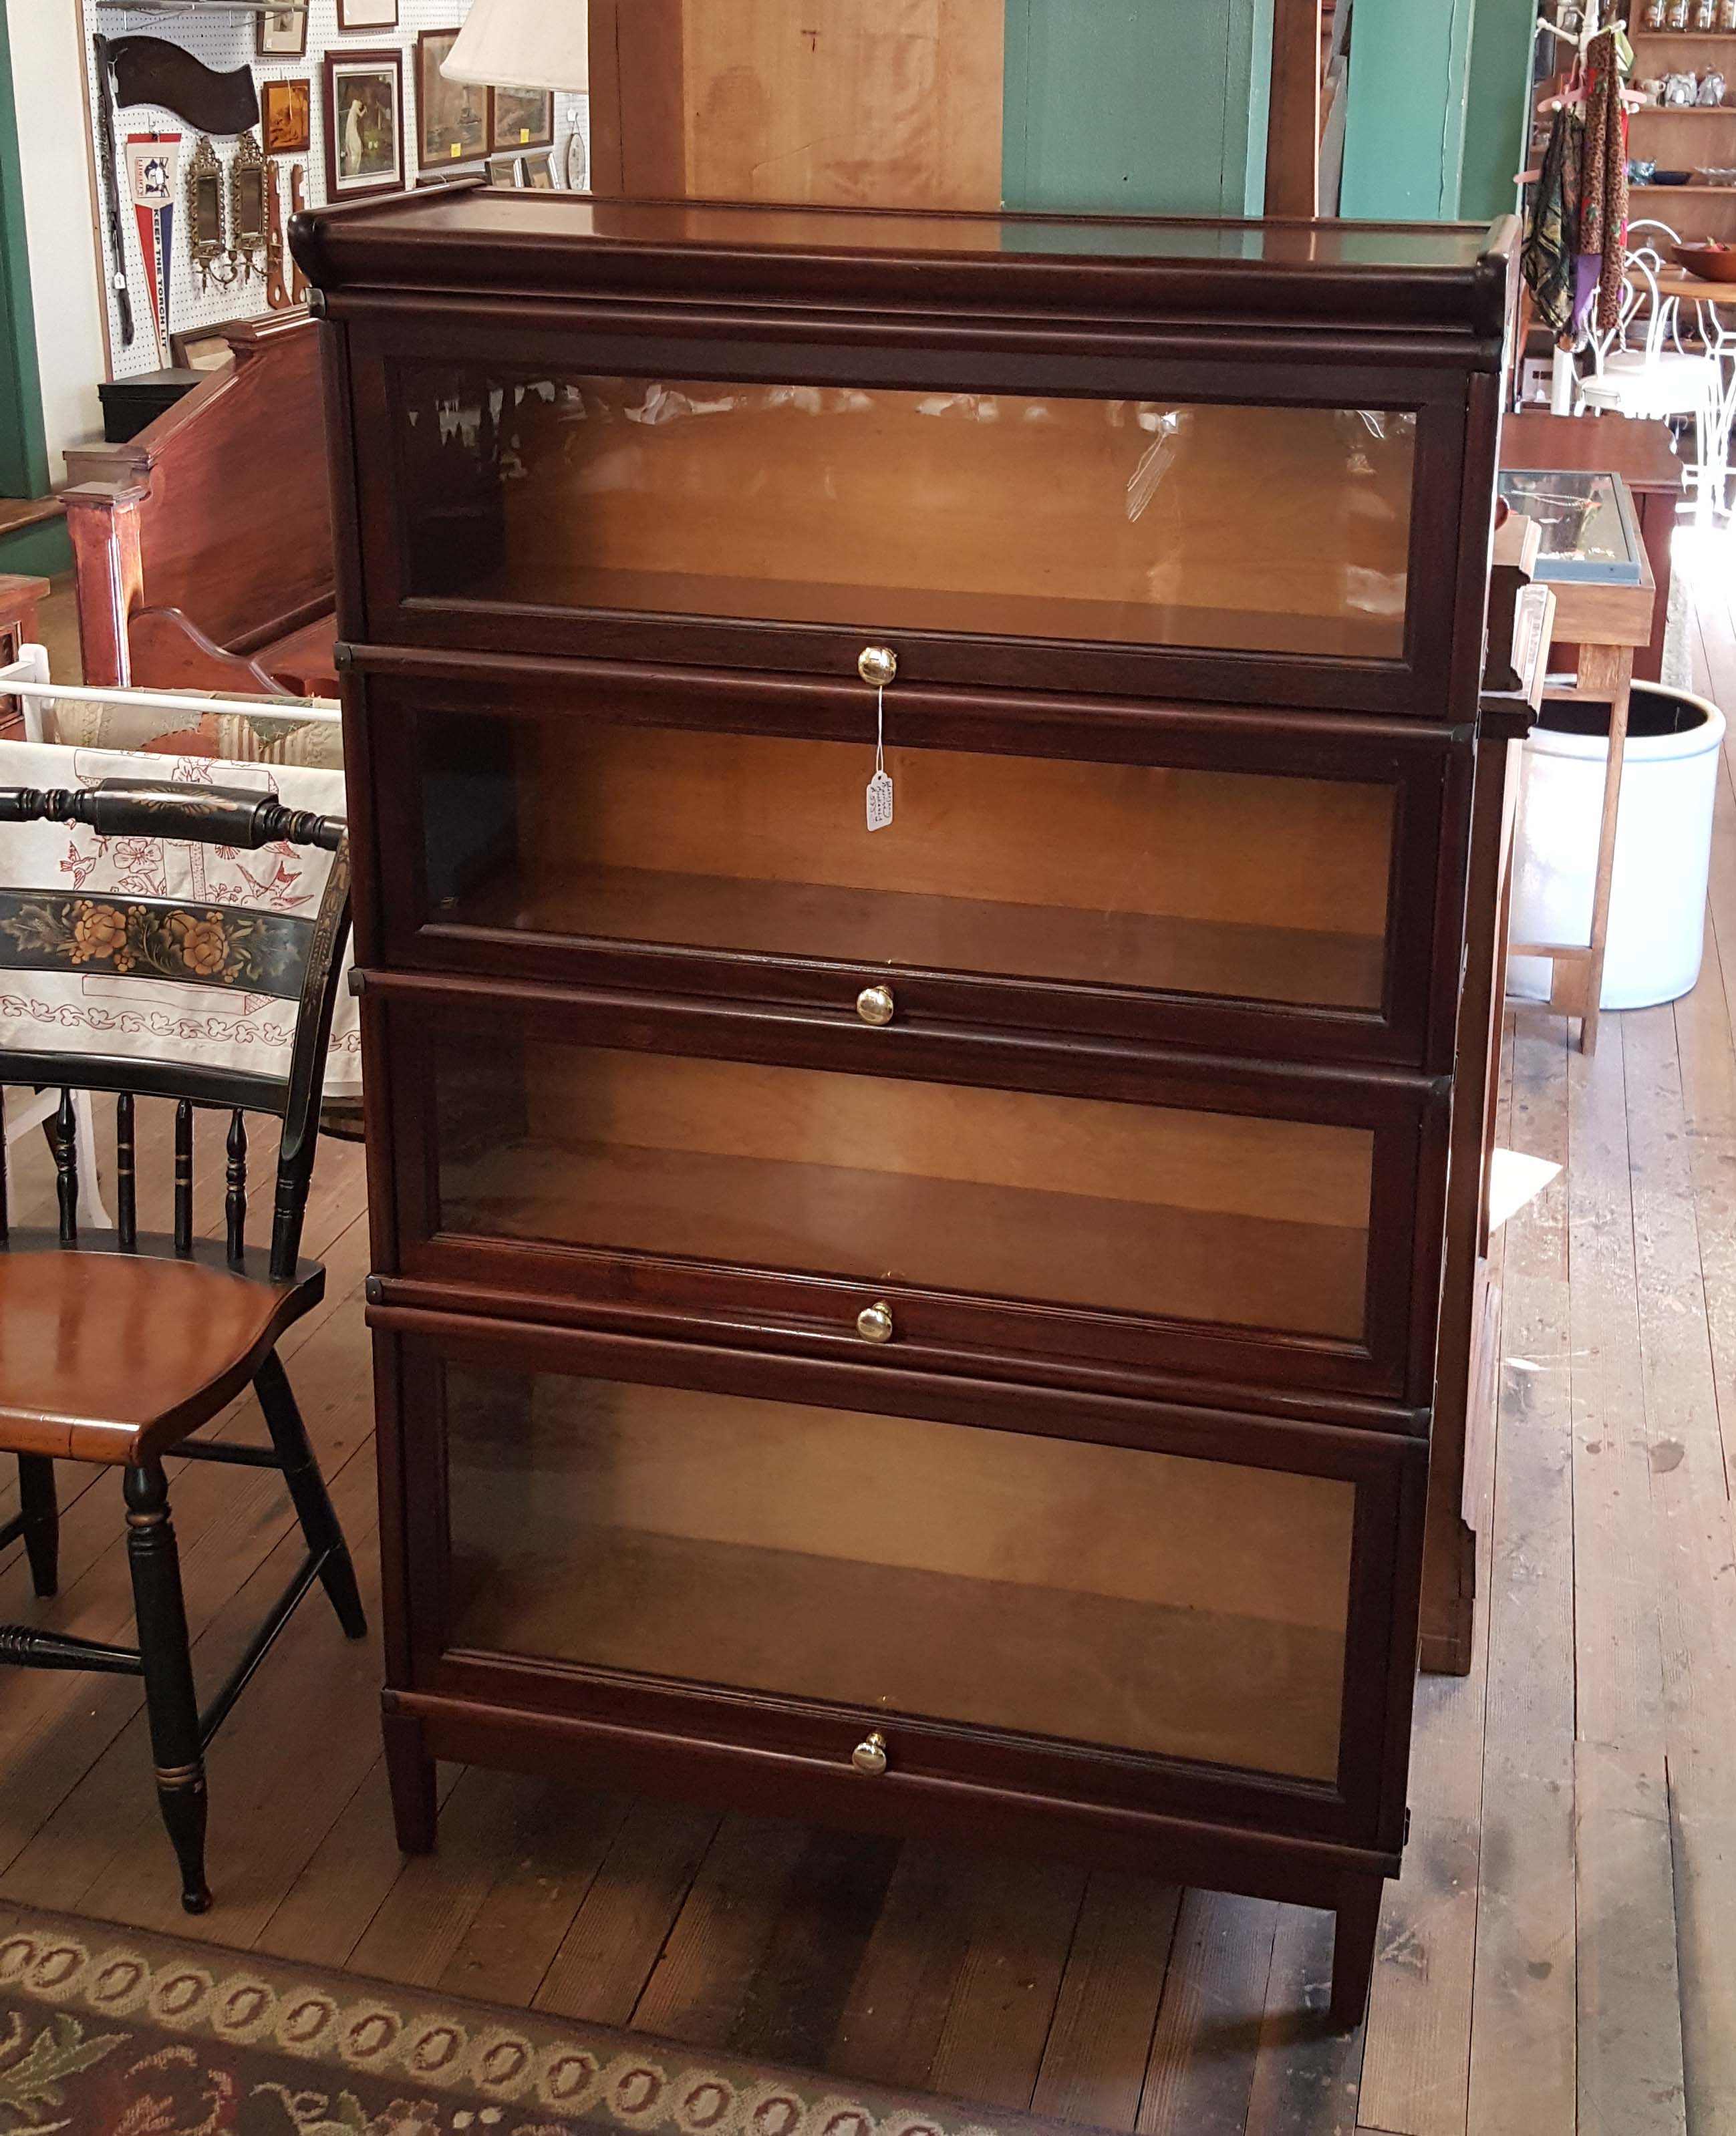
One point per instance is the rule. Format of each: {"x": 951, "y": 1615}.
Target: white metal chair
{"x": 1717, "y": 336}
{"x": 1641, "y": 369}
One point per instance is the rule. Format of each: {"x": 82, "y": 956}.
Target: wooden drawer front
{"x": 1046, "y": 867}
{"x": 1098, "y": 522}
{"x": 1067, "y": 1201}
{"x": 690, "y": 1523}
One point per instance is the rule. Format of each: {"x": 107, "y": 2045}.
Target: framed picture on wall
{"x": 539, "y": 173}
{"x": 281, "y": 33}
{"x": 367, "y": 14}
{"x": 452, "y": 117}
{"x": 285, "y": 115}
{"x": 364, "y": 123}
{"x": 524, "y": 118}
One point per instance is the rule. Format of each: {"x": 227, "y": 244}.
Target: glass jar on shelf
{"x": 1678, "y": 17}
{"x": 1656, "y": 10}
{"x": 1705, "y": 15}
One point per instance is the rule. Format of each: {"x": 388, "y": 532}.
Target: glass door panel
{"x": 1235, "y": 884}
{"x": 1137, "y": 1208}
{"x": 1132, "y": 522}
{"x": 1104, "y": 1594}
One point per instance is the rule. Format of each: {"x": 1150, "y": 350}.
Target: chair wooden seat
{"x": 115, "y": 1357}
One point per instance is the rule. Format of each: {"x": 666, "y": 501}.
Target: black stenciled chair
{"x": 115, "y": 1347}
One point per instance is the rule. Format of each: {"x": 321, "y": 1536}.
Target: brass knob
{"x": 874, "y": 1322}
{"x": 869, "y": 1754}
{"x": 877, "y": 664}
{"x": 874, "y": 1005}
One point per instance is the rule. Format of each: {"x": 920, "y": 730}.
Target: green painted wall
{"x": 23, "y": 442}
{"x": 1498, "y": 114}
{"x": 1145, "y": 106}
{"x": 1409, "y": 85}
{"x": 40, "y": 552}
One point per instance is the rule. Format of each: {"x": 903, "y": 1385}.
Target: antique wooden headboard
{"x": 203, "y": 545}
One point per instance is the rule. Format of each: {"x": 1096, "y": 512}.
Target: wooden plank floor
{"x": 1558, "y": 1958}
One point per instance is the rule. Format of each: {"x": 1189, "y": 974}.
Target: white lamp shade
{"x": 524, "y": 44}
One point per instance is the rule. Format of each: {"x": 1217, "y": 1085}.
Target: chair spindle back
{"x": 210, "y": 816}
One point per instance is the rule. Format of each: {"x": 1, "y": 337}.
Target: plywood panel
{"x": 1147, "y": 1209}
{"x": 1292, "y": 854}
{"x": 1151, "y": 1155}
{"x": 1095, "y": 1593}
{"x": 1109, "y": 520}
{"x": 902, "y": 1494}
{"x": 1221, "y": 883}
{"x": 1185, "y": 1683}
{"x": 844, "y": 103}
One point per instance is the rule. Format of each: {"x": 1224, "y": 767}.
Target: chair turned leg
{"x": 307, "y": 1488}
{"x": 171, "y": 1701}
{"x": 409, "y": 1774}
{"x": 41, "y": 1512}
{"x": 1353, "y": 1950}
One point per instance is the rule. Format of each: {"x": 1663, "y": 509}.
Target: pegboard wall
{"x": 224, "y": 42}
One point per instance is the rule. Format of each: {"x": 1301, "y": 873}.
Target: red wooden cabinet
{"x": 931, "y": 1327}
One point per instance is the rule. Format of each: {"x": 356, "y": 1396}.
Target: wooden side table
{"x": 19, "y": 598}
{"x": 1608, "y": 624}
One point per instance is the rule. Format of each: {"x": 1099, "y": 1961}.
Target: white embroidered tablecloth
{"x": 113, "y": 1014}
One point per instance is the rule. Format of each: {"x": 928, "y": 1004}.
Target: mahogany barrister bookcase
{"x": 929, "y": 1328}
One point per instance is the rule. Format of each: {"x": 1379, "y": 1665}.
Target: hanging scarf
{"x": 1604, "y": 213}
{"x": 1552, "y": 233}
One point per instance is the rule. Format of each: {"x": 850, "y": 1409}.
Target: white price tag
{"x": 880, "y": 786}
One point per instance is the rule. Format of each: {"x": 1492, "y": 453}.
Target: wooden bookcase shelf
{"x": 932, "y": 1325}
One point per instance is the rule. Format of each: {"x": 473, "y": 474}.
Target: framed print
{"x": 539, "y": 173}
{"x": 504, "y": 171}
{"x": 364, "y": 123}
{"x": 451, "y": 117}
{"x": 281, "y": 33}
{"x": 285, "y": 115}
{"x": 367, "y": 14}
{"x": 524, "y": 118}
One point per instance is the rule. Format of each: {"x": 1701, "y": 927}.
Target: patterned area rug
{"x": 106, "y": 2031}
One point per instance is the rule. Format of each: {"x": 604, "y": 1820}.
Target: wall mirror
{"x": 248, "y": 219}
{"x": 205, "y": 241}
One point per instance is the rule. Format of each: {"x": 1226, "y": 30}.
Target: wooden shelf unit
{"x": 1655, "y": 131}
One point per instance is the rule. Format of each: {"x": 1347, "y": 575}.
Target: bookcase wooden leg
{"x": 410, "y": 1775}
{"x": 1353, "y": 1949}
